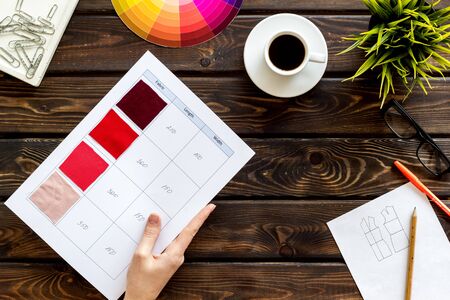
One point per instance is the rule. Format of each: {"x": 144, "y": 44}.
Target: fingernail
{"x": 153, "y": 219}
{"x": 212, "y": 207}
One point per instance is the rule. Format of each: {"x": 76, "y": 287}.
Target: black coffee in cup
{"x": 287, "y": 52}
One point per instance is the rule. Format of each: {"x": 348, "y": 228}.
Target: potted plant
{"x": 406, "y": 41}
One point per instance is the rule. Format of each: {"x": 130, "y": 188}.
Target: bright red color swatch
{"x": 141, "y": 104}
{"x": 113, "y": 134}
{"x": 83, "y": 166}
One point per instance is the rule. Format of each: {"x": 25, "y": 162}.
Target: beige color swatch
{"x": 55, "y": 197}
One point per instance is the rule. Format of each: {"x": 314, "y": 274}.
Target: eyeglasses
{"x": 404, "y": 126}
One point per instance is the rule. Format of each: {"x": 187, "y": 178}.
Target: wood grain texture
{"x": 262, "y": 281}
{"x": 193, "y": 281}
{"x": 24, "y": 281}
{"x": 332, "y": 108}
{"x": 336, "y": 6}
{"x": 318, "y": 156}
{"x": 105, "y": 6}
{"x": 329, "y": 167}
{"x": 237, "y": 230}
{"x": 82, "y": 48}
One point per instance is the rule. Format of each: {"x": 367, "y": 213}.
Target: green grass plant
{"x": 408, "y": 41}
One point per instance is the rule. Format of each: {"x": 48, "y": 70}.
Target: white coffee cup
{"x": 309, "y": 55}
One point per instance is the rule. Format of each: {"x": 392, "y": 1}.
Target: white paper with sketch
{"x": 150, "y": 145}
{"x": 374, "y": 241}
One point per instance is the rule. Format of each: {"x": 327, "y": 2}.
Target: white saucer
{"x": 269, "y": 81}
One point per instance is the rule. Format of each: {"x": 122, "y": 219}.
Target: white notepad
{"x": 56, "y": 13}
{"x": 150, "y": 145}
{"x": 374, "y": 241}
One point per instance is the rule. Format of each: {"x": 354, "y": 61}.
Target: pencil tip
{"x": 414, "y": 212}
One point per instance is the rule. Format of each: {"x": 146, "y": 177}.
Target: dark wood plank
{"x": 238, "y": 230}
{"x": 193, "y": 281}
{"x": 105, "y": 6}
{"x": 83, "y": 46}
{"x": 331, "y": 108}
{"x": 328, "y": 168}
{"x": 44, "y": 281}
{"x": 262, "y": 281}
{"x": 95, "y": 7}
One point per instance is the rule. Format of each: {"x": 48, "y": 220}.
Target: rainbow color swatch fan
{"x": 177, "y": 23}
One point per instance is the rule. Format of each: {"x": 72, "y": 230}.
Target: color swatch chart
{"x": 150, "y": 146}
{"x": 177, "y": 23}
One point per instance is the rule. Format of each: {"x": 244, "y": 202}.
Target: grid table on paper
{"x": 131, "y": 165}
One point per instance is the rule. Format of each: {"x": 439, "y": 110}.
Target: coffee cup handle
{"x": 317, "y": 57}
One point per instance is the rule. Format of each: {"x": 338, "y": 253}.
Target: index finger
{"x": 180, "y": 244}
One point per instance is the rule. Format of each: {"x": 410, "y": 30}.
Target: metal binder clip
{"x": 37, "y": 58}
{"x": 9, "y": 58}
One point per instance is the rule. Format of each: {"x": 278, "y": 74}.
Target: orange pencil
{"x": 418, "y": 184}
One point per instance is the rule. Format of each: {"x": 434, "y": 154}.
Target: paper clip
{"x": 23, "y": 57}
{"x": 28, "y": 35}
{"x": 52, "y": 12}
{"x": 22, "y": 21}
{"x": 45, "y": 22}
{"x": 26, "y": 16}
{"x": 10, "y": 28}
{"x": 9, "y": 58}
{"x": 31, "y": 33}
{"x": 37, "y": 58}
{"x": 22, "y": 15}
{"x": 26, "y": 43}
{"x": 6, "y": 21}
{"x": 19, "y": 5}
{"x": 40, "y": 29}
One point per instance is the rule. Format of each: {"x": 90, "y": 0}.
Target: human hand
{"x": 148, "y": 273}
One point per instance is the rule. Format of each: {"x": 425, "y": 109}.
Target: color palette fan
{"x": 177, "y": 23}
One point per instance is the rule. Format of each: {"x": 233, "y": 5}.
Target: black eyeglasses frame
{"x": 421, "y": 134}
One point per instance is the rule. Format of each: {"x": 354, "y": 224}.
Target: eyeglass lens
{"x": 399, "y": 124}
{"x": 432, "y": 158}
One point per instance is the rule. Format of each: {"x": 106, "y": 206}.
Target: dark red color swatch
{"x": 141, "y": 104}
{"x": 113, "y": 134}
{"x": 83, "y": 166}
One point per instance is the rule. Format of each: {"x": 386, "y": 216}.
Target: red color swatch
{"x": 141, "y": 104}
{"x": 83, "y": 166}
{"x": 113, "y": 134}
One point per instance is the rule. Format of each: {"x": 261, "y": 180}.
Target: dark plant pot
{"x": 374, "y": 20}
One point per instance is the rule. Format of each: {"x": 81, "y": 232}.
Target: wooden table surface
{"x": 317, "y": 156}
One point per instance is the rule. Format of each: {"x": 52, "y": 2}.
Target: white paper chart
{"x": 150, "y": 145}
